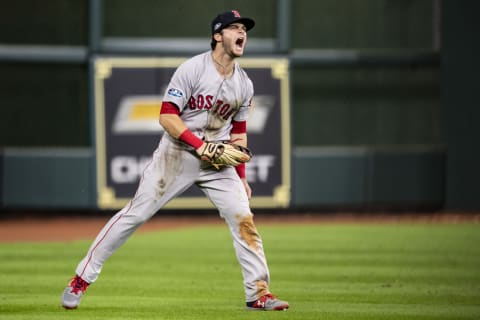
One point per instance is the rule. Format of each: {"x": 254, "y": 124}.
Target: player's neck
{"x": 223, "y": 63}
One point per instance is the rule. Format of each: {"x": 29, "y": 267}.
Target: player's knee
{"x": 248, "y": 232}
{"x": 246, "y": 222}
{"x": 136, "y": 219}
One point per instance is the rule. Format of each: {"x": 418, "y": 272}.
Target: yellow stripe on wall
{"x": 145, "y": 110}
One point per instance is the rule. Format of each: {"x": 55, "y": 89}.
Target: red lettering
{"x": 229, "y": 113}
{"x": 208, "y": 100}
{"x": 191, "y": 103}
{"x": 224, "y": 109}
{"x": 206, "y": 103}
{"x": 217, "y": 105}
{"x": 200, "y": 102}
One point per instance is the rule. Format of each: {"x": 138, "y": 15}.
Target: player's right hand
{"x": 201, "y": 149}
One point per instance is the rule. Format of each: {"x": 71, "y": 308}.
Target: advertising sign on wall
{"x": 128, "y": 94}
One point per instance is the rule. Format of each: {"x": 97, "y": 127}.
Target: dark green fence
{"x": 365, "y": 75}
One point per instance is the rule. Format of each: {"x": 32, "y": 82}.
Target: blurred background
{"x": 384, "y": 94}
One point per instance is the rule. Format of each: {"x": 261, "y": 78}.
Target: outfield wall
{"x": 384, "y": 97}
{"x": 321, "y": 177}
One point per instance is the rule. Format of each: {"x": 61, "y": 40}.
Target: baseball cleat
{"x": 73, "y": 293}
{"x": 268, "y": 302}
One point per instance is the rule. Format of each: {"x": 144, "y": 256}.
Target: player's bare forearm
{"x": 239, "y": 138}
{"x": 172, "y": 124}
{"x": 175, "y": 127}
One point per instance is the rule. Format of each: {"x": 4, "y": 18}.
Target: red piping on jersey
{"x": 113, "y": 223}
{"x": 101, "y": 240}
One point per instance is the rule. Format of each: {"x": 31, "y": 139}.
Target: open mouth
{"x": 240, "y": 42}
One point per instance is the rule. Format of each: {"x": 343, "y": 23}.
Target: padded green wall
{"x": 182, "y": 18}
{"x": 366, "y": 106}
{"x": 48, "y": 178}
{"x": 62, "y": 22}
{"x": 357, "y": 107}
{"x": 43, "y": 105}
{"x": 372, "y": 24}
{"x": 47, "y": 105}
{"x": 461, "y": 92}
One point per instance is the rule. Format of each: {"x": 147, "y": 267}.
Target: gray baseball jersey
{"x": 208, "y": 103}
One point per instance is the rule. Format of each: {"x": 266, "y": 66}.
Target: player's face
{"x": 234, "y": 39}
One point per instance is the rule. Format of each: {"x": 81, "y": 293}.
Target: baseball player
{"x": 207, "y": 101}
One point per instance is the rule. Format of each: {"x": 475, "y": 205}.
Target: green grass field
{"x": 344, "y": 271}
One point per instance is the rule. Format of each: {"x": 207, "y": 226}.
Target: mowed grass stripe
{"x": 384, "y": 271}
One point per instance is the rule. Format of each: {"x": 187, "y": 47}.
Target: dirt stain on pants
{"x": 262, "y": 288}
{"x": 249, "y": 232}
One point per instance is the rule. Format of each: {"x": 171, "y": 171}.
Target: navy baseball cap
{"x": 227, "y": 18}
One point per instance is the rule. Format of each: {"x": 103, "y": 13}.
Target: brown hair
{"x": 213, "y": 43}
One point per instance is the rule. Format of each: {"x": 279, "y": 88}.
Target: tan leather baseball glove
{"x": 225, "y": 153}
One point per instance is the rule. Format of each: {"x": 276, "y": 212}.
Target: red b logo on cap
{"x": 236, "y": 14}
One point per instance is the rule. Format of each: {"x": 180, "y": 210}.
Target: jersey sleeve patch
{"x": 175, "y": 93}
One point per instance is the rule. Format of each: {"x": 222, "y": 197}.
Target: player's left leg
{"x": 225, "y": 189}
